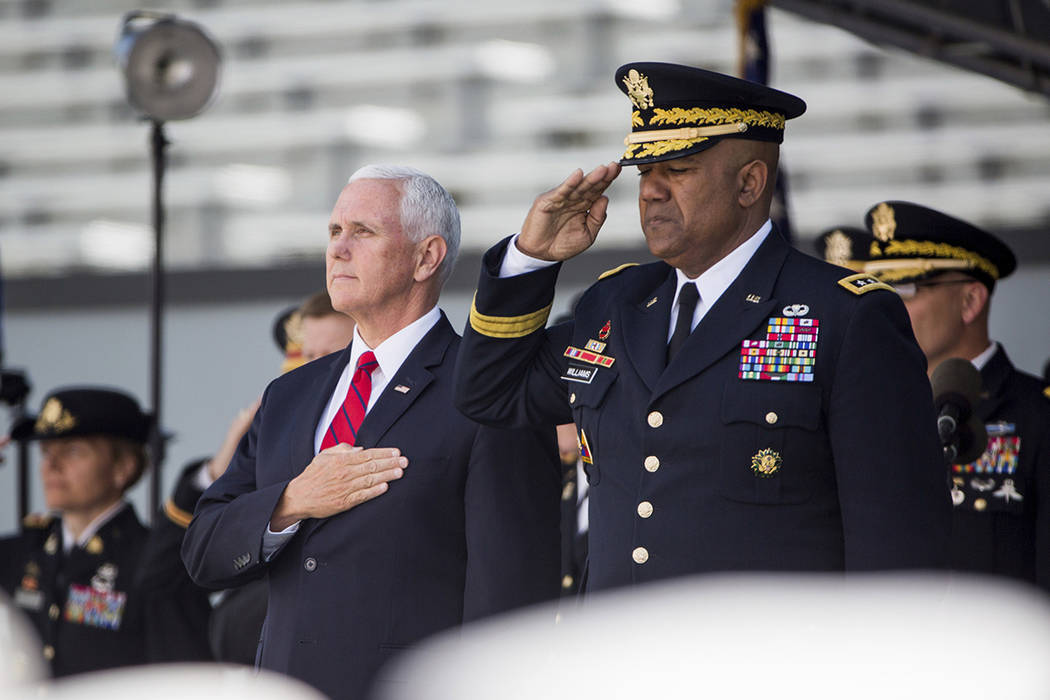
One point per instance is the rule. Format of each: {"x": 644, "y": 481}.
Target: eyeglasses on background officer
{"x": 733, "y": 399}
{"x": 78, "y": 570}
{"x": 946, "y": 270}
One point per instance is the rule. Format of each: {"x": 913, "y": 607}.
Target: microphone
{"x": 956, "y": 387}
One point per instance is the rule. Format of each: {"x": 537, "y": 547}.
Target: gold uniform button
{"x": 566, "y": 582}
{"x": 656, "y": 419}
{"x": 572, "y": 397}
{"x": 652, "y": 463}
{"x": 53, "y": 611}
{"x": 49, "y": 652}
{"x": 645, "y": 509}
{"x": 640, "y": 555}
{"x": 771, "y": 418}
{"x": 980, "y": 504}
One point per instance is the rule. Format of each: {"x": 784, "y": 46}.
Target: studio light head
{"x": 170, "y": 66}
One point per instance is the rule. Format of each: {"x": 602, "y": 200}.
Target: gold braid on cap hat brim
{"x": 934, "y": 256}
{"x": 717, "y": 121}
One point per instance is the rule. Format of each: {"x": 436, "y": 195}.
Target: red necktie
{"x": 346, "y": 422}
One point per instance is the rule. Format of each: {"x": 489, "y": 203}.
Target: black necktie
{"x": 687, "y": 299}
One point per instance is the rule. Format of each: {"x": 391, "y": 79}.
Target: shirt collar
{"x": 981, "y": 360}
{"x": 93, "y": 527}
{"x": 716, "y": 279}
{"x": 392, "y": 352}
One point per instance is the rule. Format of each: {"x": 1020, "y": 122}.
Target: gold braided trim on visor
{"x": 177, "y": 515}
{"x": 933, "y": 256}
{"x": 689, "y": 132}
{"x": 507, "y": 326}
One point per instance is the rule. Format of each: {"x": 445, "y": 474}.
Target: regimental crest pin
{"x": 603, "y": 334}
{"x": 765, "y": 463}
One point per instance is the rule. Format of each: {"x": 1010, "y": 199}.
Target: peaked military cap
{"x": 82, "y": 411}
{"x": 680, "y": 110}
{"x": 913, "y": 242}
{"x": 845, "y": 246}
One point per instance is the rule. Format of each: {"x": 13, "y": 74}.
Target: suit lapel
{"x": 407, "y": 385}
{"x": 645, "y": 329}
{"x": 993, "y": 379}
{"x": 732, "y": 318}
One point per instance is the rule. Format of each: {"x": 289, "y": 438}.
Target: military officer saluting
{"x": 741, "y": 405}
{"x": 74, "y": 571}
{"x": 946, "y": 271}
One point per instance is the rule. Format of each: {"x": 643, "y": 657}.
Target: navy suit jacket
{"x": 695, "y": 468}
{"x": 471, "y": 529}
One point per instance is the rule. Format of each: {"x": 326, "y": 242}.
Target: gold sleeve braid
{"x": 507, "y": 326}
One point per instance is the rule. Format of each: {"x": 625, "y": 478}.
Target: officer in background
{"x": 946, "y": 270}
{"x": 80, "y": 572}
{"x": 733, "y": 398}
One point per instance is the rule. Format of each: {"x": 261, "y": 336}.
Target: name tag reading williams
{"x": 578, "y": 373}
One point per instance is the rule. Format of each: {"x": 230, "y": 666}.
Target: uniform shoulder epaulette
{"x": 862, "y": 283}
{"x": 37, "y": 520}
{"x": 616, "y": 270}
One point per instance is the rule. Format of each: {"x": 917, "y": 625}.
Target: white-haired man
{"x": 379, "y": 513}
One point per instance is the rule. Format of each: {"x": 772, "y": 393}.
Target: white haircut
{"x": 427, "y": 208}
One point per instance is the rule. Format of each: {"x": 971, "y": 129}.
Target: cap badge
{"x": 838, "y": 248}
{"x": 766, "y": 463}
{"x": 638, "y": 89}
{"x": 793, "y": 310}
{"x": 883, "y": 222}
{"x": 54, "y": 418}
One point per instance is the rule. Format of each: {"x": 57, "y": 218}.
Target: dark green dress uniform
{"x": 795, "y": 429}
{"x": 84, "y": 604}
{"x": 1002, "y": 499}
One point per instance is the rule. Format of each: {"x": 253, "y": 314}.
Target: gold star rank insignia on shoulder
{"x": 862, "y": 283}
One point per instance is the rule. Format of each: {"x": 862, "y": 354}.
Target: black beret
{"x": 681, "y": 110}
{"x": 83, "y": 411}
{"x": 845, "y": 246}
{"x": 913, "y": 242}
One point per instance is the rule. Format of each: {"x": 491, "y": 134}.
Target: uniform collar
{"x": 981, "y": 360}
{"x": 93, "y": 527}
{"x": 714, "y": 281}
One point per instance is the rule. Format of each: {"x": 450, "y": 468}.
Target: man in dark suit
{"x": 380, "y": 514}
{"x": 741, "y": 406}
{"x": 946, "y": 270}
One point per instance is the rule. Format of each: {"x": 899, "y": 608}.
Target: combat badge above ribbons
{"x": 787, "y": 353}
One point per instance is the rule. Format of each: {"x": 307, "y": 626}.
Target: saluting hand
{"x": 336, "y": 480}
{"x": 564, "y": 222}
